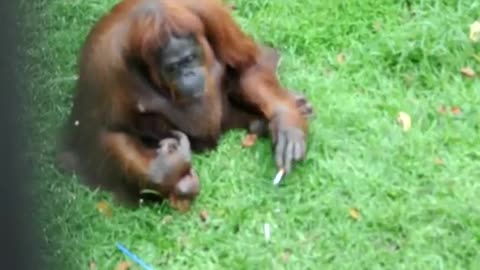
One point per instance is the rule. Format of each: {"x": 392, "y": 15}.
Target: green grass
{"x": 414, "y": 214}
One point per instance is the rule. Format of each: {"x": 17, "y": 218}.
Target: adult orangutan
{"x": 147, "y": 70}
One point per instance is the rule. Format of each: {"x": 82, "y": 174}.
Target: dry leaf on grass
{"x": 203, "y": 215}
{"x": 354, "y": 213}
{"x": 93, "y": 266}
{"x": 475, "y": 31}
{"x": 456, "y": 110}
{"x": 104, "y": 209}
{"x": 468, "y": 72}
{"x": 404, "y": 120}
{"x": 124, "y": 265}
{"x": 341, "y": 58}
{"x": 249, "y": 140}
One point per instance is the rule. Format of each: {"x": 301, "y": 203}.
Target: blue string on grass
{"x": 132, "y": 256}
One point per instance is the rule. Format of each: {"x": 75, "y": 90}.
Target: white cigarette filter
{"x": 278, "y": 177}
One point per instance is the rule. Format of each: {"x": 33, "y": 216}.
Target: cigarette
{"x": 278, "y": 177}
{"x": 266, "y": 231}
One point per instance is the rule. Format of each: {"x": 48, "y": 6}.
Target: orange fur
{"x": 105, "y": 145}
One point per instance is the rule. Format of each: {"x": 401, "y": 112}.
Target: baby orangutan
{"x": 174, "y": 176}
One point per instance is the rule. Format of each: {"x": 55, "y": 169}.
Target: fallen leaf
{"x": 104, "y": 209}
{"x": 249, "y": 140}
{"x": 377, "y": 26}
{"x": 475, "y": 31}
{"x": 442, "y": 109}
{"x": 468, "y": 72}
{"x": 93, "y": 266}
{"x": 456, "y": 110}
{"x": 354, "y": 213}
{"x": 341, "y": 58}
{"x": 204, "y": 215}
{"x": 124, "y": 265}
{"x": 404, "y": 120}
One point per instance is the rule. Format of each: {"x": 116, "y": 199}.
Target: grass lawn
{"x": 417, "y": 192}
